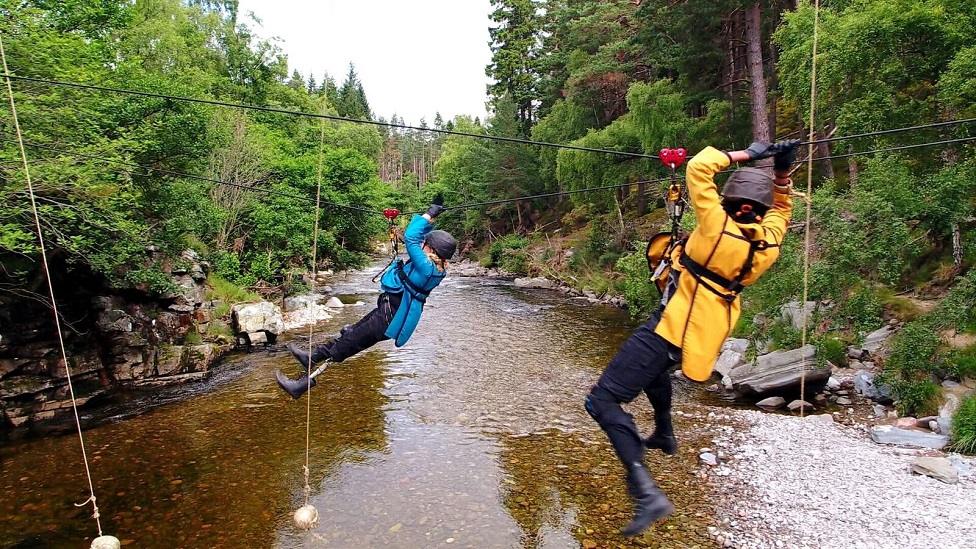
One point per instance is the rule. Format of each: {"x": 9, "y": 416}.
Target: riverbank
{"x": 812, "y": 482}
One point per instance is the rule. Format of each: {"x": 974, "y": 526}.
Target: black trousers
{"x": 643, "y": 363}
{"x": 368, "y": 331}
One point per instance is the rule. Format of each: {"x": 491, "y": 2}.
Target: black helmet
{"x": 750, "y": 184}
{"x": 442, "y": 243}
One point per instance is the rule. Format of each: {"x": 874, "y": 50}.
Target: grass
{"x": 964, "y": 426}
{"x": 228, "y": 293}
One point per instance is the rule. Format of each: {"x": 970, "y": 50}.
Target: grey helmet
{"x": 753, "y": 184}
{"x": 443, "y": 244}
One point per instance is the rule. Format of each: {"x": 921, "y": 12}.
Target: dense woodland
{"x": 890, "y": 230}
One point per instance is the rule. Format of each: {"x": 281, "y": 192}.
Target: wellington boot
{"x": 665, "y": 443}
{"x": 650, "y": 503}
{"x": 294, "y": 387}
{"x": 300, "y": 352}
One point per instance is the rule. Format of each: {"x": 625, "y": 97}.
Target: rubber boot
{"x": 294, "y": 387}
{"x": 319, "y": 353}
{"x": 650, "y": 503}
{"x": 665, "y": 443}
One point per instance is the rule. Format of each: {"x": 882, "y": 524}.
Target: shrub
{"x": 509, "y": 253}
{"x": 228, "y": 292}
{"x": 831, "y": 349}
{"x": 642, "y": 297}
{"x": 964, "y": 426}
{"x": 962, "y": 363}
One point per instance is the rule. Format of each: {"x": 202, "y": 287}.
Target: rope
{"x": 809, "y": 202}
{"x": 311, "y": 324}
{"x": 245, "y": 106}
{"x": 54, "y": 305}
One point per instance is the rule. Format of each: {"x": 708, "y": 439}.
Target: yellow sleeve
{"x": 700, "y": 178}
{"x": 778, "y": 217}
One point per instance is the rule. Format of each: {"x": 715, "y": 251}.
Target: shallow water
{"x": 473, "y": 435}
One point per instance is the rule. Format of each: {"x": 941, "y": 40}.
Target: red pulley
{"x": 391, "y": 213}
{"x": 672, "y": 158}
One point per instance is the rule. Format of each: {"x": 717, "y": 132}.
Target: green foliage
{"x": 964, "y": 426}
{"x": 642, "y": 297}
{"x": 228, "y": 293}
{"x": 509, "y": 253}
{"x": 962, "y": 363}
{"x": 831, "y": 349}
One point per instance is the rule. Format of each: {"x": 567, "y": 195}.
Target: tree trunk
{"x": 641, "y": 198}
{"x": 823, "y": 151}
{"x": 757, "y": 76}
{"x": 956, "y": 247}
{"x": 852, "y": 171}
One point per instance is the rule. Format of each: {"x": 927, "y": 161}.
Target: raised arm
{"x": 413, "y": 238}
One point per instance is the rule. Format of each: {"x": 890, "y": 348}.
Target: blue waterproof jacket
{"x": 421, "y": 275}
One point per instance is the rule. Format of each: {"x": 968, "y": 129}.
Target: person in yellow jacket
{"x": 737, "y": 239}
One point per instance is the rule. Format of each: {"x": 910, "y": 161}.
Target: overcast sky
{"x": 414, "y": 57}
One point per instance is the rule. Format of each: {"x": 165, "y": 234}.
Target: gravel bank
{"x": 810, "y": 483}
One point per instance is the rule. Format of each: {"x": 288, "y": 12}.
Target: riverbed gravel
{"x": 811, "y": 482}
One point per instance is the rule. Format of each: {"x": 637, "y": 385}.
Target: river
{"x": 472, "y": 435}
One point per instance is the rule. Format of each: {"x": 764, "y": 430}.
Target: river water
{"x": 472, "y": 435}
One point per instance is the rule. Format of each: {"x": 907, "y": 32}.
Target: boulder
{"x": 938, "y": 468}
{"x": 866, "y": 385}
{"x": 736, "y": 344}
{"x": 334, "y": 302}
{"x": 538, "y": 282}
{"x": 834, "y": 384}
{"x": 844, "y": 401}
{"x": 796, "y": 314}
{"x": 169, "y": 359}
{"x": 798, "y": 405}
{"x": 297, "y": 302}
{"x": 873, "y": 343}
{"x": 887, "y": 434}
{"x": 779, "y": 371}
{"x": 771, "y": 403}
{"x": 255, "y": 317}
{"x": 728, "y": 360}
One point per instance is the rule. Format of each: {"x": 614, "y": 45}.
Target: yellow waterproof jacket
{"x": 698, "y": 319}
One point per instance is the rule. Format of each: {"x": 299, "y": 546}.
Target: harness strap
{"x": 418, "y": 293}
{"x": 700, "y": 272}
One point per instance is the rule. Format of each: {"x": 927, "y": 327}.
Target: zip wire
{"x": 217, "y": 103}
{"x": 890, "y": 131}
{"x": 470, "y": 205}
{"x": 102, "y": 541}
{"x": 175, "y": 173}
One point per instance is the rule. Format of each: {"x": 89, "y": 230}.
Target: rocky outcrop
{"x": 796, "y": 314}
{"x": 779, "y": 371}
{"x": 122, "y": 340}
{"x": 867, "y": 385}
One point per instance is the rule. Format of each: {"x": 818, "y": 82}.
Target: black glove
{"x": 759, "y": 150}
{"x": 785, "y": 154}
{"x": 436, "y": 207}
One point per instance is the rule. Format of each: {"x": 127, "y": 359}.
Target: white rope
{"x": 311, "y": 323}
{"x": 50, "y": 287}
{"x": 809, "y": 200}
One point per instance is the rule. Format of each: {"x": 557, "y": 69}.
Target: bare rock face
{"x": 779, "y": 371}
{"x": 797, "y": 314}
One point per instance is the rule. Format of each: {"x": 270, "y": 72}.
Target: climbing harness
{"x": 391, "y": 215}
{"x": 661, "y": 246}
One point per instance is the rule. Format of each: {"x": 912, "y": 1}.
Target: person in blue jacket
{"x": 405, "y": 286}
